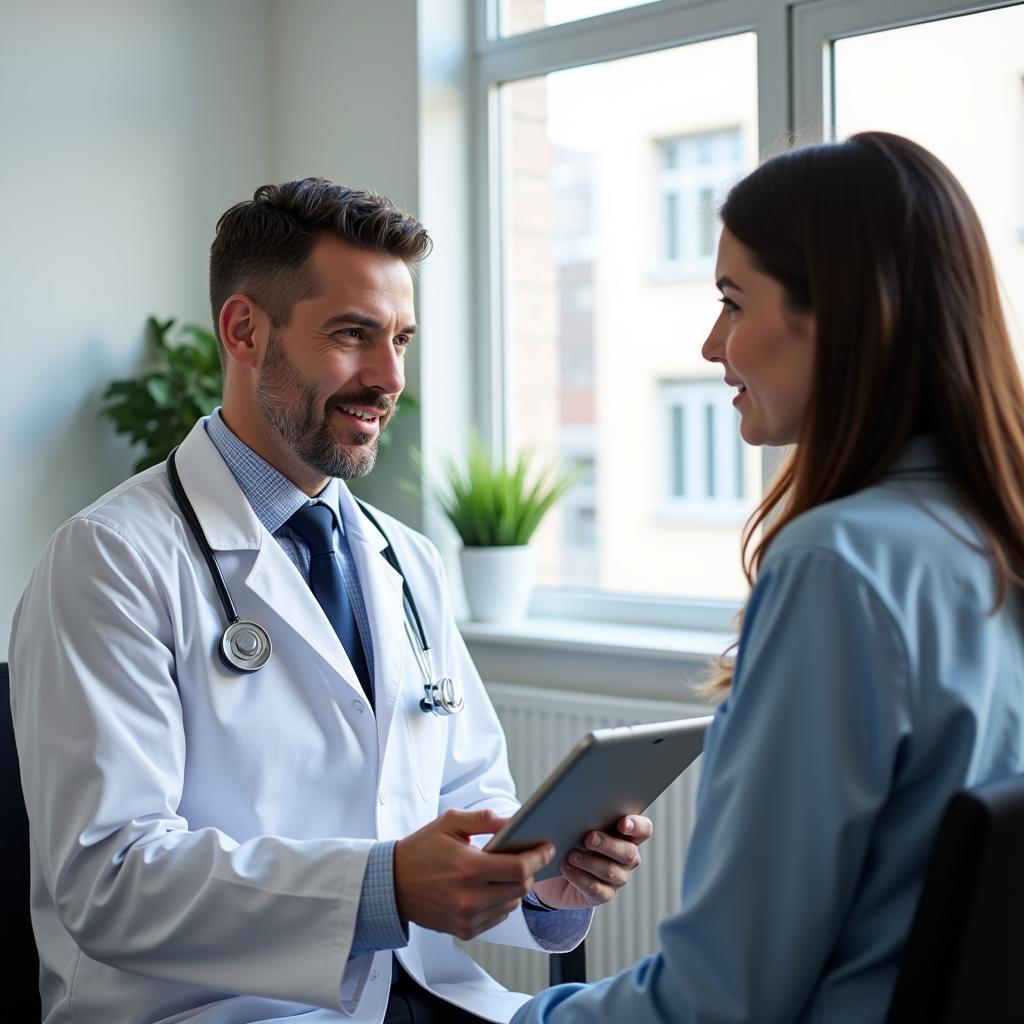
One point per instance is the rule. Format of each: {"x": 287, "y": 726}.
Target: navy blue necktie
{"x": 315, "y": 525}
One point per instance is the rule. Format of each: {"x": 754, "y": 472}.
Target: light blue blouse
{"x": 873, "y": 680}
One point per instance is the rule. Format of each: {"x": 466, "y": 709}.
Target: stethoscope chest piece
{"x": 245, "y": 645}
{"x": 441, "y": 698}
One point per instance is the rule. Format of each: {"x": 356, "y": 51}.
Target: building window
{"x": 695, "y": 173}
{"x": 705, "y": 473}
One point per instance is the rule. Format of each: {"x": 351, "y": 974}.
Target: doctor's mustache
{"x": 384, "y": 404}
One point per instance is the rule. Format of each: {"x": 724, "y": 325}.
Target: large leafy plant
{"x": 497, "y": 504}
{"x": 159, "y": 408}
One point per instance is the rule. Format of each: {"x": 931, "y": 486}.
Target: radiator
{"x": 542, "y": 726}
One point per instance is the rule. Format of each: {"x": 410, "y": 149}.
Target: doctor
{"x": 214, "y": 845}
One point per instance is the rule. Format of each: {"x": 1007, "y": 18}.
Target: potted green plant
{"x": 496, "y": 507}
{"x": 159, "y": 408}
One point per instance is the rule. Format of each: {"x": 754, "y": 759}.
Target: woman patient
{"x": 880, "y": 666}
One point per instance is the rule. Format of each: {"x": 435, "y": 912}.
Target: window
{"x": 605, "y": 148}
{"x": 696, "y": 173}
{"x": 517, "y": 16}
{"x": 590, "y": 332}
{"x": 704, "y": 453}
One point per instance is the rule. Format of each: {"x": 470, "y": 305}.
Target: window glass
{"x": 957, "y": 87}
{"x": 515, "y": 16}
{"x": 697, "y": 172}
{"x": 612, "y": 175}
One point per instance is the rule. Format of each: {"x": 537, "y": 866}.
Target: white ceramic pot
{"x": 498, "y": 582}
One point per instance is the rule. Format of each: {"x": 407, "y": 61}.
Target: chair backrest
{"x": 963, "y": 957}
{"x": 21, "y": 959}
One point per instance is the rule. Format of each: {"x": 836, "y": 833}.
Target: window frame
{"x": 794, "y": 83}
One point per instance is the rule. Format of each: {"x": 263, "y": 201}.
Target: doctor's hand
{"x": 594, "y": 875}
{"x": 444, "y": 883}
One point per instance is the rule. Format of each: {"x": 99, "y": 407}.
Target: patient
{"x": 880, "y": 666}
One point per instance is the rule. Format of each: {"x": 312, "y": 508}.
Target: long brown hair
{"x": 878, "y": 240}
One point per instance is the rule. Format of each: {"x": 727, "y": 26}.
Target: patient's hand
{"x": 592, "y": 876}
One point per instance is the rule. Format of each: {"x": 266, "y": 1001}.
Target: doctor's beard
{"x": 302, "y": 418}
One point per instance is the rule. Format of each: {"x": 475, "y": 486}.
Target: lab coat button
{"x": 359, "y": 706}
{"x": 374, "y": 975}
{"x": 383, "y": 795}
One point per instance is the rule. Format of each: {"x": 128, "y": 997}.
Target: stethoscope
{"x": 246, "y": 647}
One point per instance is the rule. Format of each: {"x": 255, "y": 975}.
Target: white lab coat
{"x": 199, "y": 836}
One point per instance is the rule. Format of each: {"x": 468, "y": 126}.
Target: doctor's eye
{"x": 730, "y": 307}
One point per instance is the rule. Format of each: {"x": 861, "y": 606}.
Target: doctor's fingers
{"x": 637, "y": 827}
{"x": 603, "y": 868}
{"x": 471, "y": 912}
{"x": 470, "y": 923}
{"x": 514, "y": 867}
{"x": 622, "y": 851}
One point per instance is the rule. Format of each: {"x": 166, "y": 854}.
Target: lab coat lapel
{"x": 276, "y": 581}
{"x": 230, "y": 524}
{"x": 382, "y": 594}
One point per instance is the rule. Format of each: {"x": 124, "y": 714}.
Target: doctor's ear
{"x": 244, "y": 328}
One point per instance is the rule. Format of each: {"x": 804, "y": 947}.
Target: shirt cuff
{"x": 378, "y": 925}
{"x": 556, "y": 931}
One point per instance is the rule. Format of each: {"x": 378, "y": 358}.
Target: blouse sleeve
{"x": 798, "y": 763}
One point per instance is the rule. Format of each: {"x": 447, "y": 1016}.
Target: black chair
{"x": 566, "y": 967}
{"x": 963, "y": 959}
{"x": 22, "y": 990}
{"x": 20, "y": 947}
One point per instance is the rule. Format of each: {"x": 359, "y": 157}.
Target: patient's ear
{"x": 244, "y": 329}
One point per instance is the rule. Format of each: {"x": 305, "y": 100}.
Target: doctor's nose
{"x": 383, "y": 370}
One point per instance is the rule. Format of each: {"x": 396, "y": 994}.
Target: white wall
{"x": 344, "y": 106}
{"x": 127, "y": 129}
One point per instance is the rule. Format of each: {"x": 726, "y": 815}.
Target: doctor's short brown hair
{"x": 262, "y": 245}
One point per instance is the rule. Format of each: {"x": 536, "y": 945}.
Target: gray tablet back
{"x": 609, "y": 773}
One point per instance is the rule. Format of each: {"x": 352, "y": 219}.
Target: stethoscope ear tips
{"x": 245, "y": 646}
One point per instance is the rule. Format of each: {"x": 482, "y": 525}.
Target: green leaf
{"x": 159, "y": 389}
{"x": 494, "y": 504}
{"x": 157, "y": 409}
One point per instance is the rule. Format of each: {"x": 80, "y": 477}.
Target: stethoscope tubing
{"x": 442, "y": 698}
{"x": 192, "y": 520}
{"x": 391, "y": 558}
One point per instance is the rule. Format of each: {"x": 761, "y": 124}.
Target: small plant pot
{"x": 497, "y": 581}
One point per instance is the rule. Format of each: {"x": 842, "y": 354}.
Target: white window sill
{"x": 647, "y": 662}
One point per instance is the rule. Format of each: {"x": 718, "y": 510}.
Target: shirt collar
{"x": 919, "y": 455}
{"x": 273, "y": 497}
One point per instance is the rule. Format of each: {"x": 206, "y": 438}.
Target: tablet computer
{"x": 609, "y": 773}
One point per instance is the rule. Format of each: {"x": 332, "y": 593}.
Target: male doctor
{"x": 294, "y": 843}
